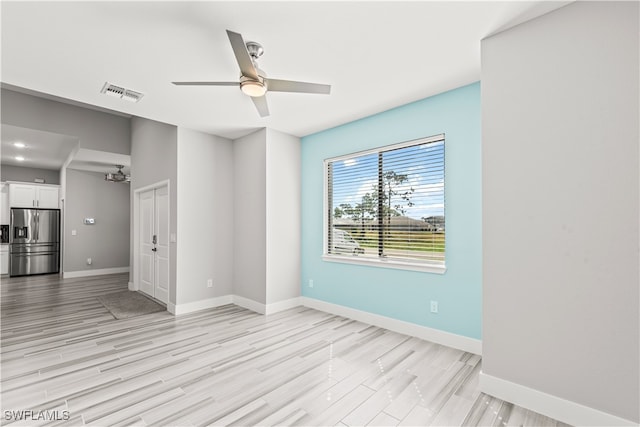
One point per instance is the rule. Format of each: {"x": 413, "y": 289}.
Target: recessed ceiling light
{"x": 19, "y": 144}
{"x": 19, "y": 158}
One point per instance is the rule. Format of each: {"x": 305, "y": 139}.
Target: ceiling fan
{"x": 118, "y": 176}
{"x": 254, "y": 81}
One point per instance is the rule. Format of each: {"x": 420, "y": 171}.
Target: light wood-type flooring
{"x": 64, "y": 356}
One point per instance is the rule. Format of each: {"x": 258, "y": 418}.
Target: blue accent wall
{"x": 400, "y": 294}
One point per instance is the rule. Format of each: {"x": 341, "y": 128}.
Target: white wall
{"x": 560, "y": 212}
{"x": 283, "y": 216}
{"x": 249, "y": 207}
{"x": 153, "y": 159}
{"x": 229, "y": 200}
{"x": 205, "y": 216}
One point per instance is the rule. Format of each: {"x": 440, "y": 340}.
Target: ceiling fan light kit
{"x": 253, "y": 81}
{"x": 118, "y": 176}
{"x": 252, "y": 88}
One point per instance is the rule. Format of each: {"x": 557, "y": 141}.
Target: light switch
{"x": 74, "y": 232}
{"x": 172, "y": 237}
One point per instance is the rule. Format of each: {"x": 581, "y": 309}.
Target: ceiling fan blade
{"x": 261, "y": 105}
{"x": 276, "y": 85}
{"x": 206, "y": 83}
{"x": 242, "y": 55}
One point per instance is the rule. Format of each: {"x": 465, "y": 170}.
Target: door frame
{"x": 136, "y": 231}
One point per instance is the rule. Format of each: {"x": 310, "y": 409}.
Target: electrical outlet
{"x": 311, "y": 283}
{"x": 434, "y": 307}
{"x": 210, "y": 283}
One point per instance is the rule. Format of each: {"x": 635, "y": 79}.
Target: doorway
{"x": 151, "y": 230}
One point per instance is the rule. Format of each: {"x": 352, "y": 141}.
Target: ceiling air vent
{"x": 132, "y": 95}
{"x": 121, "y": 92}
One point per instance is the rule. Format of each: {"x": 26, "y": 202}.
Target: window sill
{"x": 398, "y": 265}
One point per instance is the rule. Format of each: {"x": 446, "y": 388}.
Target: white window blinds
{"x": 388, "y": 204}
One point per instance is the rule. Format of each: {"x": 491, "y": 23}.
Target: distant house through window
{"x": 387, "y": 205}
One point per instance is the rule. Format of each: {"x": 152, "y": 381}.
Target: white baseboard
{"x": 132, "y": 286}
{"x": 276, "y": 307}
{"x": 96, "y": 272}
{"x": 258, "y": 307}
{"x": 171, "y": 308}
{"x": 190, "y": 307}
{"x": 546, "y": 404}
{"x": 429, "y": 334}
{"x": 247, "y": 303}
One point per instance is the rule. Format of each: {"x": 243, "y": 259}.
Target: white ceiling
{"x": 100, "y": 161}
{"x": 43, "y": 150}
{"x": 47, "y": 150}
{"x": 376, "y": 55}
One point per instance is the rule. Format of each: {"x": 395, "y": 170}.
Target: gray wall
{"x": 154, "y": 159}
{"x": 96, "y": 130}
{"x": 249, "y": 174}
{"x": 205, "y": 216}
{"x": 283, "y": 216}
{"x": 266, "y": 207}
{"x": 107, "y": 241}
{"x": 19, "y": 173}
{"x": 560, "y": 206}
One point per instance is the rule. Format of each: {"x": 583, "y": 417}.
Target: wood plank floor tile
{"x": 381, "y": 398}
{"x": 61, "y": 350}
{"x": 383, "y": 419}
{"x": 337, "y": 411}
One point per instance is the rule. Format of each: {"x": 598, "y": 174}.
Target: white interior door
{"x": 153, "y": 272}
{"x": 146, "y": 256}
{"x": 161, "y": 219}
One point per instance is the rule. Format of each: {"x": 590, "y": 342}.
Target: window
{"x": 386, "y": 206}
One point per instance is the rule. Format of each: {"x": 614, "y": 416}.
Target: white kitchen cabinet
{"x": 47, "y": 197}
{"x": 4, "y": 203}
{"x": 33, "y": 196}
{"x": 22, "y": 196}
{"x": 4, "y": 259}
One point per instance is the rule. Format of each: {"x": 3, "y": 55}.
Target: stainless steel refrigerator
{"x": 34, "y": 241}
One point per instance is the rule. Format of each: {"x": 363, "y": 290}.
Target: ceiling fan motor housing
{"x": 255, "y": 49}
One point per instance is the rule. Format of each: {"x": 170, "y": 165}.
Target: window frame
{"x": 421, "y": 266}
